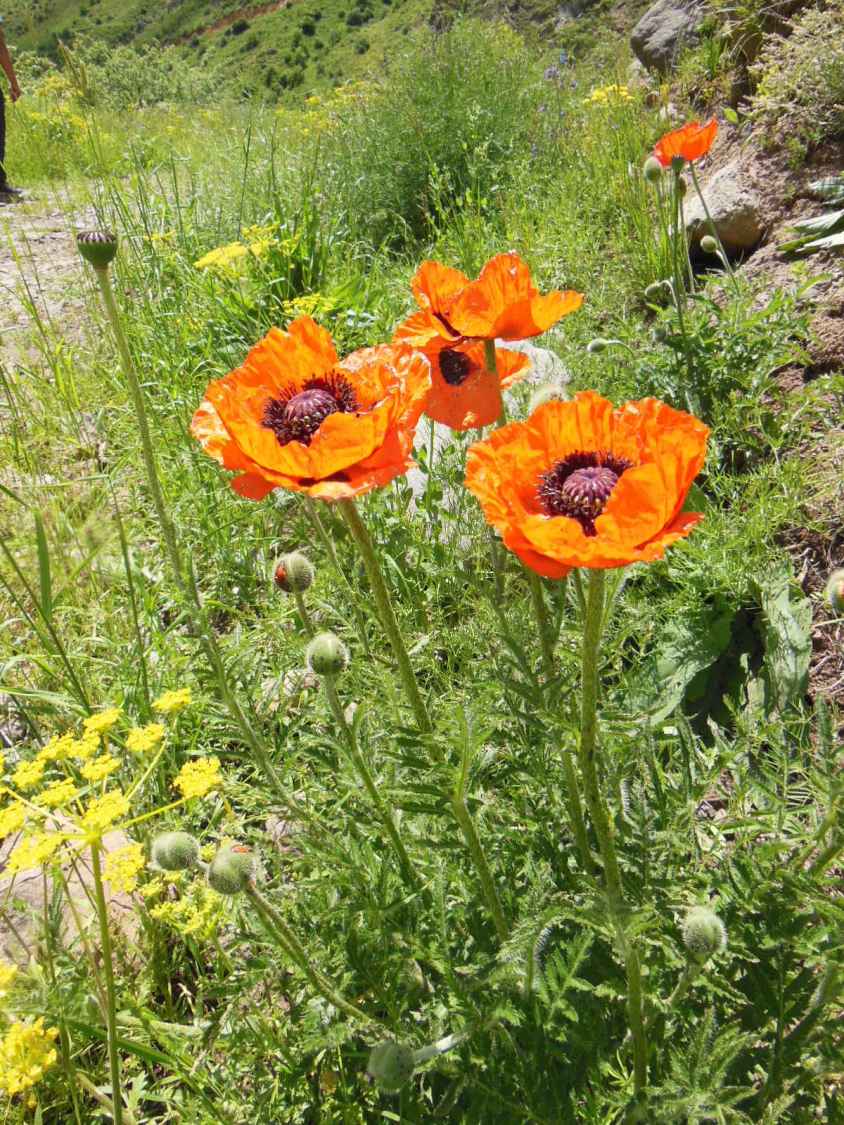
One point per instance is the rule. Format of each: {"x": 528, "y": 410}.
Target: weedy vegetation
{"x": 408, "y": 827}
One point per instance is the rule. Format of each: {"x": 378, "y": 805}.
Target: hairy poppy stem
{"x": 316, "y": 520}
{"x": 385, "y": 611}
{"x": 184, "y": 577}
{"x": 722, "y": 253}
{"x": 307, "y": 622}
{"x": 679, "y": 282}
{"x": 289, "y": 943}
{"x": 599, "y": 815}
{"x": 111, "y": 995}
{"x": 538, "y": 602}
{"x": 495, "y": 552}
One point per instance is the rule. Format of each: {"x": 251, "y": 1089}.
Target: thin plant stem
{"x": 108, "y": 972}
{"x": 476, "y": 851}
{"x": 385, "y": 612}
{"x": 713, "y": 230}
{"x": 538, "y": 602}
{"x": 303, "y": 612}
{"x": 312, "y": 512}
{"x": 599, "y": 815}
{"x": 362, "y": 769}
{"x": 287, "y": 940}
{"x": 574, "y": 803}
{"x": 495, "y": 552}
{"x": 678, "y": 284}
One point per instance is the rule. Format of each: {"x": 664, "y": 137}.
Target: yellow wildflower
{"x": 102, "y": 812}
{"x": 59, "y": 748}
{"x": 101, "y": 722}
{"x": 122, "y": 867}
{"x": 12, "y": 819}
{"x": 198, "y": 778}
{"x": 85, "y": 747}
{"x": 33, "y": 851}
{"x": 173, "y": 700}
{"x": 98, "y": 768}
{"x": 7, "y": 977}
{"x": 197, "y": 914}
{"x": 258, "y": 232}
{"x": 26, "y": 1052}
{"x": 140, "y": 740}
{"x": 261, "y": 246}
{"x": 222, "y": 258}
{"x": 29, "y": 774}
{"x": 58, "y": 794}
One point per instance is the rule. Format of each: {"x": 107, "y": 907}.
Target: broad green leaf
{"x": 787, "y": 635}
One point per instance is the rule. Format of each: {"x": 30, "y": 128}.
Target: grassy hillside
{"x": 280, "y": 46}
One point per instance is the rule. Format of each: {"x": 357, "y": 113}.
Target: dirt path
{"x": 40, "y": 274}
{"x": 247, "y": 13}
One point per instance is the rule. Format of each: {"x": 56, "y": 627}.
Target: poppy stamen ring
{"x": 297, "y": 415}
{"x": 455, "y": 366}
{"x": 580, "y": 485}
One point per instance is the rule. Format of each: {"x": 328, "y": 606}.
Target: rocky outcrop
{"x": 664, "y": 30}
{"x": 736, "y": 207}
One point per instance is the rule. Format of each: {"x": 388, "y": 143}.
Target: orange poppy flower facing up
{"x": 583, "y": 484}
{"x": 295, "y": 416}
{"x": 503, "y": 304}
{"x": 690, "y": 142}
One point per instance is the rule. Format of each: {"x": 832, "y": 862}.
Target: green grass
{"x": 718, "y": 770}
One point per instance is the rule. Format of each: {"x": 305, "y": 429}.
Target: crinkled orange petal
{"x": 208, "y": 429}
{"x": 435, "y": 286}
{"x": 421, "y": 328}
{"x": 476, "y": 401}
{"x": 690, "y": 141}
{"x": 643, "y": 514}
{"x": 505, "y": 304}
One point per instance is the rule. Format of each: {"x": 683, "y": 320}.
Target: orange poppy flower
{"x": 295, "y": 416}
{"x": 464, "y": 393}
{"x": 502, "y": 304}
{"x": 688, "y": 143}
{"x": 581, "y": 483}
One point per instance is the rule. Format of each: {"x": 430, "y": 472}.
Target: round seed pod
{"x": 708, "y": 244}
{"x": 390, "y": 1065}
{"x": 704, "y": 933}
{"x": 655, "y": 292}
{"x": 652, "y": 170}
{"x": 327, "y": 655}
{"x": 293, "y": 572}
{"x": 835, "y": 590}
{"x": 232, "y": 870}
{"x": 547, "y": 392}
{"x": 598, "y": 345}
{"x": 682, "y": 185}
{"x": 175, "y": 851}
{"x": 97, "y": 247}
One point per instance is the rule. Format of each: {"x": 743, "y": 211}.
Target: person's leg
{"x": 2, "y": 141}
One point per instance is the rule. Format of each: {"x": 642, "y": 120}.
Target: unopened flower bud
{"x": 703, "y": 933}
{"x": 547, "y": 392}
{"x": 835, "y": 590}
{"x": 597, "y": 345}
{"x": 708, "y": 244}
{"x": 232, "y": 870}
{"x": 390, "y": 1065}
{"x": 677, "y": 163}
{"x": 293, "y": 572}
{"x": 97, "y": 247}
{"x": 175, "y": 851}
{"x": 652, "y": 170}
{"x": 656, "y": 291}
{"x": 682, "y": 185}
{"x": 327, "y": 655}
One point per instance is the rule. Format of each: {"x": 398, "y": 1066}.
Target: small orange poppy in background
{"x": 295, "y": 416}
{"x": 690, "y": 142}
{"x": 582, "y": 483}
{"x": 456, "y": 315}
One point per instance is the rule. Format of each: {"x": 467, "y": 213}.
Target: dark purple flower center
{"x": 297, "y": 415}
{"x": 455, "y": 366}
{"x": 580, "y": 485}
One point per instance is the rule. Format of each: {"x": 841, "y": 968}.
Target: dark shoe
{"x": 9, "y": 194}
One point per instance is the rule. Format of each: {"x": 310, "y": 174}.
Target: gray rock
{"x": 736, "y": 207}
{"x": 664, "y": 30}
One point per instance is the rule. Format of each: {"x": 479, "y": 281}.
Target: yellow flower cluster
{"x": 197, "y": 912}
{"x": 102, "y": 812}
{"x": 199, "y": 777}
{"x": 101, "y": 722}
{"x": 29, "y": 774}
{"x": 122, "y": 867}
{"x": 7, "y": 977}
{"x": 140, "y": 740}
{"x": 12, "y": 819}
{"x": 609, "y": 95}
{"x": 222, "y": 258}
{"x": 26, "y": 1052}
{"x": 172, "y": 701}
{"x": 33, "y": 851}
{"x": 57, "y": 795}
{"x": 309, "y": 304}
{"x": 99, "y": 768}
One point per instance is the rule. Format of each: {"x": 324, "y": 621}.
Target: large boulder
{"x": 736, "y": 207}
{"x": 664, "y": 30}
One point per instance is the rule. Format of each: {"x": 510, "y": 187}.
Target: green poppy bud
{"x": 327, "y": 655}
{"x": 175, "y": 851}
{"x": 708, "y": 244}
{"x": 597, "y": 345}
{"x": 655, "y": 292}
{"x": 835, "y": 590}
{"x": 703, "y": 933}
{"x": 677, "y": 163}
{"x": 390, "y": 1065}
{"x": 293, "y": 572}
{"x": 232, "y": 870}
{"x": 547, "y": 392}
{"x": 97, "y": 247}
{"x": 682, "y": 185}
{"x": 652, "y": 170}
